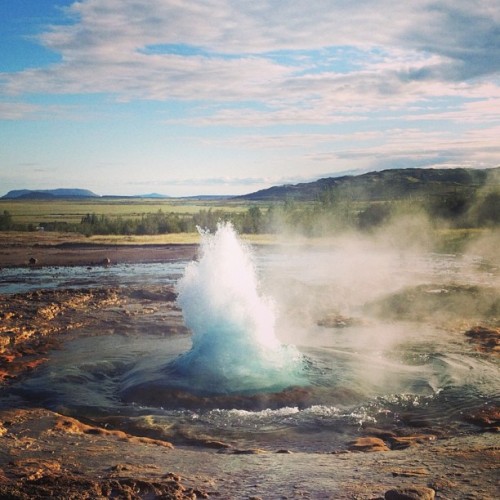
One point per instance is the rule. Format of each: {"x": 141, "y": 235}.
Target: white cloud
{"x": 304, "y": 83}
{"x": 473, "y": 112}
{"x": 232, "y": 26}
{"x": 17, "y": 110}
{"x": 105, "y": 50}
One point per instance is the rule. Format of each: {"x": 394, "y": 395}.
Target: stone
{"x": 403, "y": 442}
{"x": 487, "y": 418}
{"x": 415, "y": 472}
{"x": 73, "y": 426}
{"x": 410, "y": 493}
{"x": 250, "y": 451}
{"x": 487, "y": 339}
{"x": 368, "y": 444}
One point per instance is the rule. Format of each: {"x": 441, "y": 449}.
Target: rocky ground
{"x": 44, "y": 454}
{"x": 47, "y": 454}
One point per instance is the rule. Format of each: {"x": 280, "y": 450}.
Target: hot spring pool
{"x": 261, "y": 368}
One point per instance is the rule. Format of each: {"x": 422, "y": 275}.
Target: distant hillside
{"x": 387, "y": 184}
{"x": 207, "y": 197}
{"x": 49, "y": 194}
{"x": 152, "y": 195}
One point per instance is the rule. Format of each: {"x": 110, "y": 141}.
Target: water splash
{"x": 234, "y": 346}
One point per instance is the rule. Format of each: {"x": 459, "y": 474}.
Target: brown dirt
{"x": 17, "y": 254}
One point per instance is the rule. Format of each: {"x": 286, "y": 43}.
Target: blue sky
{"x": 231, "y": 96}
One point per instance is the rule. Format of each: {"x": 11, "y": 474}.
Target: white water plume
{"x": 234, "y": 346}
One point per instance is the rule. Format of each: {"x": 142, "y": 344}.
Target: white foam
{"x": 235, "y": 348}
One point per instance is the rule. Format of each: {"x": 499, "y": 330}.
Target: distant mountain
{"x": 152, "y": 195}
{"x": 383, "y": 185}
{"x": 207, "y": 197}
{"x": 49, "y": 194}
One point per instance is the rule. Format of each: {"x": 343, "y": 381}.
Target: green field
{"x": 442, "y": 227}
{"x": 454, "y": 198}
{"x": 72, "y": 210}
{"x": 38, "y": 212}
{"x": 132, "y": 217}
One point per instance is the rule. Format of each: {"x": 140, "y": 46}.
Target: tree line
{"x": 332, "y": 212}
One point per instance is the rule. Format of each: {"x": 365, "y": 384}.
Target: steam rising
{"x": 406, "y": 269}
{"x": 234, "y": 346}
{"x": 379, "y": 319}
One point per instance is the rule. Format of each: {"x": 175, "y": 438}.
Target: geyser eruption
{"x": 234, "y": 346}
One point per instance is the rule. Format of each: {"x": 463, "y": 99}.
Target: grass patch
{"x": 156, "y": 239}
{"x": 38, "y": 212}
{"x": 23, "y": 238}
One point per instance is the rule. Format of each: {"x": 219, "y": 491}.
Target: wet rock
{"x": 189, "y": 438}
{"x": 157, "y": 394}
{"x": 487, "y": 339}
{"x": 73, "y": 426}
{"x": 414, "y": 472}
{"x": 403, "y": 442}
{"x": 410, "y": 493}
{"x": 156, "y": 295}
{"x": 32, "y": 321}
{"x": 250, "y": 451}
{"x": 215, "y": 444}
{"x": 486, "y": 418}
{"x": 368, "y": 444}
{"x": 380, "y": 433}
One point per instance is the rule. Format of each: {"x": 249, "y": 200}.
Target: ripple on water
{"x": 86, "y": 378}
{"x": 397, "y": 376}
